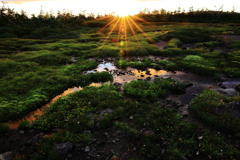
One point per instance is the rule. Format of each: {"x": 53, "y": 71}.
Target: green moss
{"x": 173, "y": 43}
{"x": 207, "y": 106}
{"x": 148, "y": 91}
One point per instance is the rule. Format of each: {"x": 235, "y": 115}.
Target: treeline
{"x": 45, "y": 25}
{"x": 200, "y": 15}
{"x": 65, "y": 25}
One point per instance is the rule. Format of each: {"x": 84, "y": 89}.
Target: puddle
{"x": 31, "y": 116}
{"x": 127, "y": 75}
{"x": 104, "y": 66}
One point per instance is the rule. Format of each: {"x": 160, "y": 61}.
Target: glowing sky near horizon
{"x": 117, "y": 6}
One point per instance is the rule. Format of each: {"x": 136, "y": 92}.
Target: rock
{"x": 63, "y": 148}
{"x": 37, "y": 138}
{"x": 118, "y": 85}
{"x": 106, "y": 134}
{"x": 238, "y": 87}
{"x": 178, "y": 88}
{"x": 194, "y": 94}
{"x": 6, "y": 156}
{"x": 69, "y": 155}
{"x": 148, "y": 78}
{"x": 224, "y": 87}
{"x": 131, "y": 117}
{"x": 21, "y": 131}
{"x": 148, "y": 132}
{"x": 87, "y": 149}
{"x": 234, "y": 105}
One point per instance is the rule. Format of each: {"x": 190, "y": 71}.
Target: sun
{"x": 123, "y": 14}
{"x": 126, "y": 11}
{"x": 126, "y": 8}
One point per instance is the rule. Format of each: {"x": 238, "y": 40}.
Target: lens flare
{"x": 119, "y": 28}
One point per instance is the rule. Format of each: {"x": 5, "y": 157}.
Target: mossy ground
{"x": 34, "y": 70}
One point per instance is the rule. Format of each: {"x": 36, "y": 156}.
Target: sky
{"x": 122, "y": 7}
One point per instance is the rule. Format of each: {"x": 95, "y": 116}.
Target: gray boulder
{"x": 6, "y": 156}
{"x": 63, "y": 148}
{"x": 37, "y": 138}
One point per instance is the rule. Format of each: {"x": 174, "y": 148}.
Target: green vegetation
{"x": 41, "y": 56}
{"x": 146, "y": 91}
{"x": 143, "y": 64}
{"x": 173, "y": 43}
{"x": 166, "y": 131}
{"x": 215, "y": 110}
{"x": 187, "y": 35}
{"x": 167, "y": 65}
{"x": 196, "y": 64}
{"x": 121, "y": 63}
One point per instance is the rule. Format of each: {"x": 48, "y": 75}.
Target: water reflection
{"x": 31, "y": 116}
{"x": 105, "y": 66}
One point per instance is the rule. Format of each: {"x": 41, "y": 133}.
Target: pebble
{"x": 87, "y": 149}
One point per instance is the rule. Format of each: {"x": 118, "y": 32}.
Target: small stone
{"x": 148, "y": 133}
{"x": 87, "y": 149}
{"x": 106, "y": 134}
{"x": 21, "y": 131}
{"x": 131, "y": 117}
{"x": 118, "y": 131}
{"x": 69, "y": 155}
{"x": 194, "y": 94}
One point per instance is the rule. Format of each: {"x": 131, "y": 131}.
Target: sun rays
{"x": 119, "y": 29}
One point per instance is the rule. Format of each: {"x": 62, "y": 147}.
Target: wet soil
{"x": 161, "y": 44}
